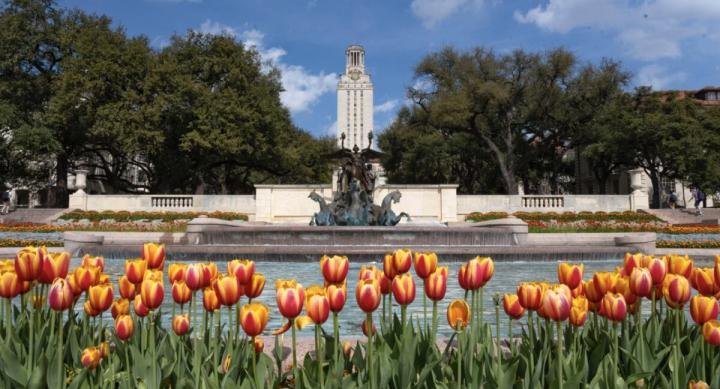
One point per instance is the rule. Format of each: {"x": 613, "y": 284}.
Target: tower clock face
{"x": 355, "y": 75}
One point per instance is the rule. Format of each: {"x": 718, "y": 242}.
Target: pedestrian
{"x": 672, "y": 200}
{"x": 5, "y": 202}
{"x": 698, "y": 196}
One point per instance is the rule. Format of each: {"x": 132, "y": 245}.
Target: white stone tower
{"x": 354, "y": 100}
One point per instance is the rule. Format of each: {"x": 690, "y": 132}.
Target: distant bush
{"x": 126, "y": 216}
{"x": 30, "y": 242}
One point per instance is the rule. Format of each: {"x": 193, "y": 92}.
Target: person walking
{"x": 672, "y": 200}
{"x": 698, "y": 196}
{"x": 5, "y": 202}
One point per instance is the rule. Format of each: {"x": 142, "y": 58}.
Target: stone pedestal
{"x": 639, "y": 198}
{"x": 78, "y": 200}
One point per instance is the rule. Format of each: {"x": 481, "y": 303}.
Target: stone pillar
{"x": 639, "y": 198}
{"x": 78, "y": 200}
{"x": 263, "y": 203}
{"x": 448, "y": 203}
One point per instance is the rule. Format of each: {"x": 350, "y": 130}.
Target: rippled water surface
{"x": 507, "y": 276}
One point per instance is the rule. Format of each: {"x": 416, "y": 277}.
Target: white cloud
{"x": 432, "y": 12}
{"x": 658, "y": 77}
{"x": 648, "y": 30}
{"x": 332, "y": 129}
{"x": 387, "y": 106}
{"x": 301, "y": 87}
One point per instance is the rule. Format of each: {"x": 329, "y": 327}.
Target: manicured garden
{"x": 627, "y": 328}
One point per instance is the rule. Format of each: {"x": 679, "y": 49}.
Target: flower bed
{"x": 689, "y": 244}
{"x": 30, "y": 242}
{"x": 126, "y": 216}
{"x": 627, "y": 216}
{"x": 97, "y": 226}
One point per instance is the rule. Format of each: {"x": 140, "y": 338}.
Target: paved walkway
{"x": 687, "y": 216}
{"x": 32, "y": 215}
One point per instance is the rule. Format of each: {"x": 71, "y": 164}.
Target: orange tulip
{"x": 127, "y": 288}
{"x": 90, "y": 357}
{"x": 28, "y": 264}
{"x": 512, "y": 306}
{"x": 135, "y": 270}
{"x": 579, "y": 311}
{"x": 676, "y": 290}
{"x": 194, "y": 276}
{"x": 181, "y": 324}
{"x": 211, "y": 303}
{"x": 570, "y": 275}
{"x": 680, "y": 265}
{"x": 623, "y": 287}
{"x": 100, "y": 297}
{"x": 458, "y": 314}
{"x": 436, "y": 284}
{"x": 717, "y": 269}
{"x": 210, "y": 273}
{"x": 290, "y": 297}
{"x": 255, "y": 286}
{"x": 120, "y": 307}
{"x": 227, "y": 290}
{"x": 124, "y": 326}
{"x": 478, "y": 272}
{"x": 60, "y": 296}
{"x": 711, "y": 332}
{"x": 641, "y": 282}
{"x": 631, "y": 262}
{"x": 703, "y": 309}
{"x": 604, "y": 282}
{"x": 176, "y": 272}
{"x": 389, "y": 267}
{"x": 614, "y": 307}
{"x": 152, "y": 293}
{"x": 154, "y": 254}
{"x": 367, "y": 294}
{"x": 402, "y": 260}
{"x": 403, "y": 288}
{"x": 242, "y": 269}
{"x": 318, "y": 308}
{"x": 698, "y": 385}
{"x": 334, "y": 269}
{"x": 156, "y": 275}
{"x": 140, "y": 309}
{"x": 89, "y": 310}
{"x": 385, "y": 285}
{"x": 425, "y": 264}
{"x": 657, "y": 268}
{"x": 9, "y": 284}
{"x": 530, "y": 295}
{"x": 54, "y": 266}
{"x": 253, "y": 318}
{"x": 556, "y": 304}
{"x": 703, "y": 280}
{"x": 88, "y": 260}
{"x": 337, "y": 295}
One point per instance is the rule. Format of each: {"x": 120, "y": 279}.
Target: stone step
{"x": 710, "y": 216}
{"x": 32, "y": 215}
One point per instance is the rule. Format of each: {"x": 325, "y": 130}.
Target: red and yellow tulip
{"x": 703, "y": 309}
{"x": 90, "y": 357}
{"x": 120, "y": 307}
{"x": 511, "y": 304}
{"x": 253, "y": 318}
{"x": 337, "y": 295}
{"x": 570, "y": 275}
{"x": 195, "y": 277}
{"x": 135, "y": 270}
{"x": 124, "y": 327}
{"x": 389, "y": 267}
{"x": 614, "y": 307}
{"x": 254, "y": 287}
{"x": 54, "y": 266}
{"x": 89, "y": 310}
{"x": 603, "y": 282}
{"x": 402, "y": 260}
{"x": 9, "y": 284}
{"x": 227, "y": 290}
{"x": 290, "y": 297}
{"x": 579, "y": 311}
{"x": 680, "y": 265}
{"x": 478, "y": 272}
{"x": 631, "y": 262}
{"x": 623, "y": 287}
{"x": 28, "y": 264}
{"x": 425, "y": 264}
{"x": 703, "y": 280}
{"x": 369, "y": 272}
{"x": 530, "y": 295}
{"x": 242, "y": 269}
{"x": 211, "y": 303}
{"x": 127, "y": 288}
{"x": 154, "y": 254}
{"x": 403, "y": 288}
{"x": 60, "y": 296}
{"x": 318, "y": 307}
{"x": 436, "y": 284}
{"x": 101, "y": 296}
{"x": 176, "y": 272}
{"x": 676, "y": 290}
{"x": 556, "y": 304}
{"x": 181, "y": 293}
{"x": 641, "y": 282}
{"x": 89, "y": 260}
{"x": 139, "y": 307}
{"x": 334, "y": 269}
{"x": 711, "y": 332}
{"x": 181, "y": 324}
{"x": 152, "y": 293}
{"x": 657, "y": 268}
{"x": 367, "y": 294}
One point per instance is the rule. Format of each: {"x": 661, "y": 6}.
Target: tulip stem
{"x": 369, "y": 325}
{"x": 558, "y": 324}
{"x": 127, "y": 366}
{"x": 497, "y": 335}
{"x": 294, "y": 353}
{"x": 60, "y": 367}
{"x": 403, "y": 316}
{"x": 8, "y": 319}
{"x": 458, "y": 331}
{"x": 216, "y": 353}
{"x": 531, "y": 342}
{"x": 510, "y": 338}
{"x": 230, "y": 315}
{"x": 676, "y": 372}
{"x": 336, "y": 332}
{"x": 152, "y": 347}
{"x": 254, "y": 360}
{"x": 319, "y": 355}
{"x": 434, "y": 322}
{"x": 425, "y": 326}
{"x": 32, "y": 335}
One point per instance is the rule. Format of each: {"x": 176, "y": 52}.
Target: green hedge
{"x": 126, "y": 216}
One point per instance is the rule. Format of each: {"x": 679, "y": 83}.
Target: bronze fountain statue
{"x": 352, "y": 204}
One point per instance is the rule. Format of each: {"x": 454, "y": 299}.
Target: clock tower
{"x": 354, "y": 101}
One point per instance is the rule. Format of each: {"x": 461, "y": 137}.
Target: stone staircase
{"x": 710, "y": 216}
{"x": 32, "y": 215}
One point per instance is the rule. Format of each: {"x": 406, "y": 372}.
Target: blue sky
{"x": 669, "y": 44}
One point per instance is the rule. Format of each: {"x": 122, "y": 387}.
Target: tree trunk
{"x": 59, "y": 197}
{"x": 655, "y": 180}
{"x": 505, "y": 163}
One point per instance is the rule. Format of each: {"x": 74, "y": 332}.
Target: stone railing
{"x": 171, "y": 201}
{"x": 543, "y": 201}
